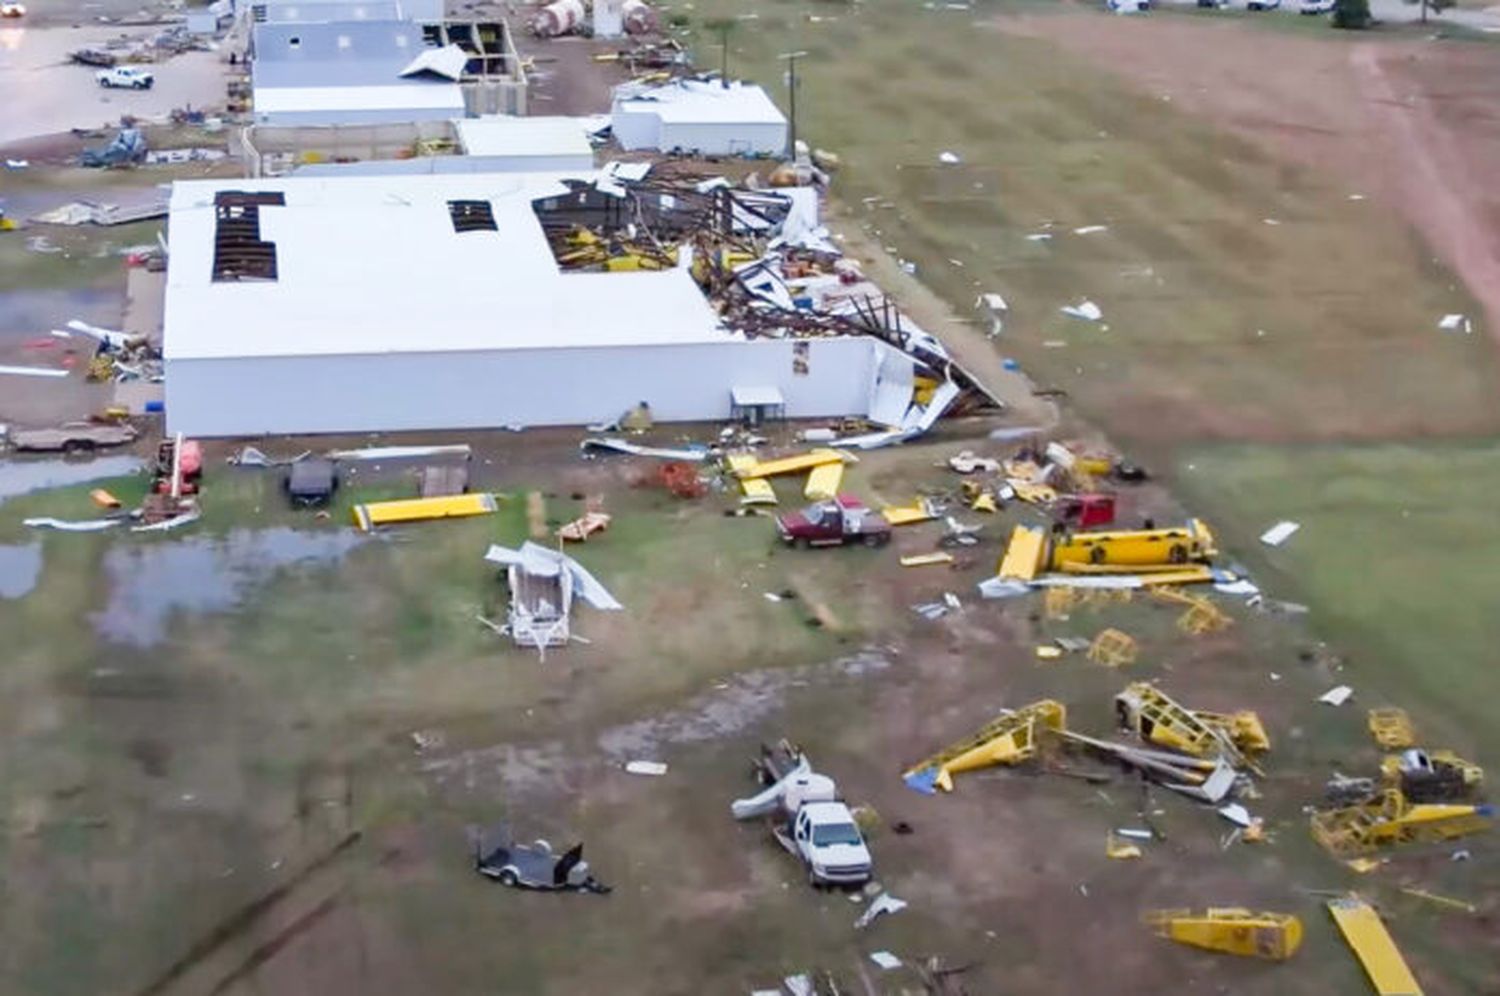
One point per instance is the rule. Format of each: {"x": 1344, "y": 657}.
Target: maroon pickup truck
{"x": 844, "y": 519}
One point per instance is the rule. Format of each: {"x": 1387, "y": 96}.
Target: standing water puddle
{"x": 149, "y": 583}
{"x": 18, "y": 477}
{"x": 20, "y": 569}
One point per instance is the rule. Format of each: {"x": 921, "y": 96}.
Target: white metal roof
{"x": 703, "y": 102}
{"x": 429, "y": 96}
{"x": 506, "y": 135}
{"x": 373, "y": 265}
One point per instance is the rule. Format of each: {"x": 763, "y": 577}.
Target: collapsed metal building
{"x": 389, "y": 303}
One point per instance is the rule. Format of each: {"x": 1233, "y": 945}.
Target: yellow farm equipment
{"x": 1011, "y": 738}
{"x": 1244, "y": 728}
{"x": 1232, "y": 930}
{"x": 1431, "y": 775}
{"x": 1372, "y": 945}
{"x": 1201, "y": 615}
{"x": 1114, "y": 648}
{"x": 1392, "y": 728}
{"x": 1157, "y": 718}
{"x": 1390, "y": 819}
{"x": 1032, "y": 551}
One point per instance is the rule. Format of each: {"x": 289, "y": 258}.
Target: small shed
{"x": 755, "y": 405}
{"x": 703, "y": 116}
{"x": 505, "y": 143}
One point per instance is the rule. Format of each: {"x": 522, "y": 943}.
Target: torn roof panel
{"x": 543, "y": 562}
{"x": 447, "y": 62}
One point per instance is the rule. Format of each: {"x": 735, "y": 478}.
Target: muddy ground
{"x": 211, "y": 782}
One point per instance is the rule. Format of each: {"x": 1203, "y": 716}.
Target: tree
{"x": 1352, "y": 14}
{"x": 1436, "y": 6}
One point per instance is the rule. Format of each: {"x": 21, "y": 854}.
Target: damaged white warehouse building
{"x": 390, "y": 303}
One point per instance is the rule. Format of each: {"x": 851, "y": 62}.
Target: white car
{"x": 1262, "y": 4}
{"x": 12, "y": 10}
{"x": 125, "y": 77}
{"x": 1315, "y": 7}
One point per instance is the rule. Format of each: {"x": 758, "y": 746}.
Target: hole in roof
{"x": 294, "y": 42}
{"x": 472, "y": 216}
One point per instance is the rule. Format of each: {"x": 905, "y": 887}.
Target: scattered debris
{"x": 32, "y": 371}
{"x": 369, "y": 515}
{"x": 1086, "y": 310}
{"x": 542, "y": 585}
{"x": 401, "y": 452}
{"x": 949, "y": 157}
{"x": 1390, "y": 818}
{"x": 646, "y": 768}
{"x": 594, "y": 443}
{"x": 927, "y": 559}
{"x": 1391, "y": 728}
{"x": 1372, "y": 945}
{"x": 1445, "y": 901}
{"x": 87, "y": 526}
{"x": 1336, "y": 696}
{"x": 1090, "y": 229}
{"x": 1119, "y": 850}
{"x": 1009, "y": 739}
{"x": 1232, "y": 930}
{"x": 1114, "y": 648}
{"x": 885, "y": 960}
{"x": 1279, "y": 533}
{"x": 882, "y": 904}
{"x": 586, "y": 525}
{"x": 1448, "y": 323}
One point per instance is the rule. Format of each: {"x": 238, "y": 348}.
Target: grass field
{"x": 1395, "y": 547}
{"x": 1229, "y": 311}
{"x": 188, "y": 721}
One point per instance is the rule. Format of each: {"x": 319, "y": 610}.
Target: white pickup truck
{"x": 125, "y": 78}
{"x": 808, "y": 819}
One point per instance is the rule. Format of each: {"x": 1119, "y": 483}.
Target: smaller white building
{"x": 706, "y": 117}
{"x": 351, "y": 73}
{"x": 504, "y": 144}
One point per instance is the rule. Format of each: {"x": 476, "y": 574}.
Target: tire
{"x": 1096, "y": 554}
{"x": 509, "y": 877}
{"x": 874, "y": 542}
{"x": 1178, "y": 554}
{"x": 802, "y": 543}
{"x": 812, "y": 880}
{"x": 75, "y": 446}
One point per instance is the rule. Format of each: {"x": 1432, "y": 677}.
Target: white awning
{"x": 748, "y": 397}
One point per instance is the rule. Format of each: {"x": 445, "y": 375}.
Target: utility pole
{"x": 791, "y": 78}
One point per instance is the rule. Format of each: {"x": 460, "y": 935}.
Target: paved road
{"x": 41, "y": 94}
{"x": 1394, "y": 11}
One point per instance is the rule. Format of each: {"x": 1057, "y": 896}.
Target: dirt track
{"x": 1409, "y": 123}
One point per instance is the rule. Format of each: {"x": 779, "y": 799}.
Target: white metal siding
{"x": 639, "y": 127}
{"x": 452, "y": 164}
{"x": 356, "y": 116}
{"x": 736, "y": 139}
{"x": 412, "y": 391}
